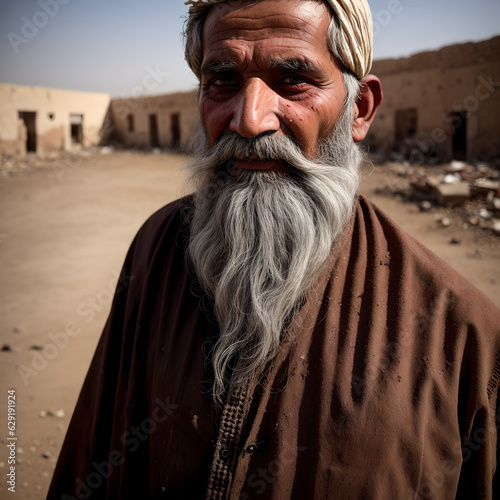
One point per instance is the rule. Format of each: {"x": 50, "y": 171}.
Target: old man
{"x": 282, "y": 338}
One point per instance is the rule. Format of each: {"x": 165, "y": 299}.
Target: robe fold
{"x": 386, "y": 387}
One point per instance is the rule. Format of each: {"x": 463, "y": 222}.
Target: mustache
{"x": 266, "y": 146}
{"x": 232, "y": 146}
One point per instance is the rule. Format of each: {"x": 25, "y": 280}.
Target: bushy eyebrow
{"x": 218, "y": 67}
{"x": 297, "y": 65}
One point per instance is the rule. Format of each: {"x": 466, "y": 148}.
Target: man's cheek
{"x": 215, "y": 117}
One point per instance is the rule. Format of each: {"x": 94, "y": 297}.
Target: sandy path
{"x": 61, "y": 247}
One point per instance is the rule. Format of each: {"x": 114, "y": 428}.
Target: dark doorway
{"x": 130, "y": 122}
{"x": 459, "y": 121}
{"x": 153, "y": 131}
{"x": 406, "y": 124}
{"x": 29, "y": 119}
{"x": 175, "y": 126}
{"x": 76, "y": 123}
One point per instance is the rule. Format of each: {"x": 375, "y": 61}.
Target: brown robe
{"x": 387, "y": 388}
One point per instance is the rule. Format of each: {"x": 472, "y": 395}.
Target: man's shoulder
{"x": 165, "y": 229}
{"x": 418, "y": 269}
{"x": 172, "y": 214}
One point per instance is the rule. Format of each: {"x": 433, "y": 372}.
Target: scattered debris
{"x": 485, "y": 214}
{"x": 476, "y": 255}
{"x": 452, "y": 194}
{"x": 49, "y": 413}
{"x": 452, "y": 178}
{"x": 62, "y": 163}
{"x": 59, "y": 413}
{"x": 455, "y": 166}
{"x": 466, "y": 191}
{"x": 36, "y": 347}
{"x": 484, "y": 186}
{"x": 425, "y": 206}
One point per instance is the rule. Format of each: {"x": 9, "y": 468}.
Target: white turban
{"x": 356, "y": 32}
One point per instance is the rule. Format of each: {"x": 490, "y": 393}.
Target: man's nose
{"x": 255, "y": 110}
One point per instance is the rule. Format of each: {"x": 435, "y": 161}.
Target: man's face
{"x": 267, "y": 69}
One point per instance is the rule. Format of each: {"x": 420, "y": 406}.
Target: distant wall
{"x": 44, "y": 120}
{"x": 165, "y": 121}
{"x": 443, "y": 104}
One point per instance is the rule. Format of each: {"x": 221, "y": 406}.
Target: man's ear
{"x": 366, "y": 106}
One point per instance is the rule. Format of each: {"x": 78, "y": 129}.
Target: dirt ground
{"x": 64, "y": 233}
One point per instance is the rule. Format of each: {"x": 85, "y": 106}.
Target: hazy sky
{"x": 113, "y": 45}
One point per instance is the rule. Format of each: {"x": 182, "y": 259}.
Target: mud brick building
{"x": 44, "y": 120}
{"x": 442, "y": 104}
{"x": 164, "y": 121}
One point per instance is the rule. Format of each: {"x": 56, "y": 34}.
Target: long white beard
{"x": 259, "y": 240}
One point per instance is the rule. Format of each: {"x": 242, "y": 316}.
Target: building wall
{"x": 462, "y": 78}
{"x": 165, "y": 108}
{"x": 53, "y": 108}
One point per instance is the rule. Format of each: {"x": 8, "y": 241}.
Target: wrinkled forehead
{"x": 265, "y": 19}
{"x": 283, "y": 25}
{"x": 353, "y": 42}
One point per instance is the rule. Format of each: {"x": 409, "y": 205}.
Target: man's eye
{"x": 292, "y": 80}
{"x": 223, "y": 82}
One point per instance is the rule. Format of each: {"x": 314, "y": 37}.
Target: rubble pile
{"x": 12, "y": 166}
{"x": 465, "y": 190}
